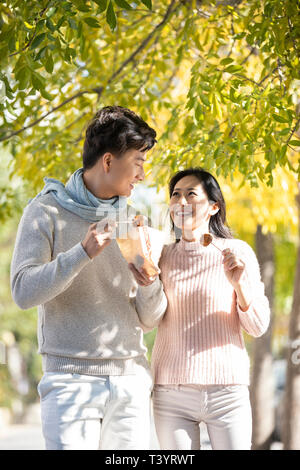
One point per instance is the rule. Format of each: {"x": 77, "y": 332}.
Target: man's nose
{"x": 141, "y": 175}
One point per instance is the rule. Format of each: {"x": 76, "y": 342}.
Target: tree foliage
{"x": 62, "y": 60}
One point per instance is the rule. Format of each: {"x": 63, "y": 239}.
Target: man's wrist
{"x": 85, "y": 250}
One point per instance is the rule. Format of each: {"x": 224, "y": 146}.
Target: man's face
{"x": 126, "y": 171}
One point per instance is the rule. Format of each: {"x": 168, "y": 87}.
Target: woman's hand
{"x": 234, "y": 267}
{"x": 140, "y": 276}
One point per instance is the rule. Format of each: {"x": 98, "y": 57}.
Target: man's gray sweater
{"x": 91, "y": 312}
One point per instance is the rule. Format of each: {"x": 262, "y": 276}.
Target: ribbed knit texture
{"x": 199, "y": 339}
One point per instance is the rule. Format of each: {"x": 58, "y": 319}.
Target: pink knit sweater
{"x": 199, "y": 340}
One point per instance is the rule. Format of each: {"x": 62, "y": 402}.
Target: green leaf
{"x": 295, "y": 143}
{"x": 280, "y": 118}
{"x": 148, "y": 3}
{"x": 204, "y": 99}
{"x": 92, "y": 22}
{"x": 123, "y": 4}
{"x": 226, "y": 61}
{"x": 41, "y": 53}
{"x": 46, "y": 95}
{"x": 82, "y": 7}
{"x": 50, "y": 25}
{"x": 37, "y": 40}
{"x": 205, "y": 86}
{"x": 198, "y": 112}
{"x": 72, "y": 23}
{"x": 49, "y": 64}
{"x": 285, "y": 131}
{"x": 50, "y": 12}
{"x": 38, "y": 81}
{"x": 102, "y": 5}
{"x": 110, "y": 16}
{"x": 233, "y": 68}
{"x": 23, "y": 77}
{"x": 60, "y": 22}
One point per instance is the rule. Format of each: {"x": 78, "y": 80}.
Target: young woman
{"x": 199, "y": 361}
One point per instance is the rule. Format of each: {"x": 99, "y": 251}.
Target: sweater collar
{"x": 76, "y": 198}
{"x": 196, "y": 248}
{"x": 191, "y": 248}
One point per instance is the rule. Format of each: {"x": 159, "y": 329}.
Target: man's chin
{"x": 126, "y": 193}
{"x": 129, "y": 191}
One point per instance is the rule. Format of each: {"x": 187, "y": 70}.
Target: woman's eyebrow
{"x": 179, "y": 189}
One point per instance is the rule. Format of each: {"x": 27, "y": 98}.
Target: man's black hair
{"x": 115, "y": 129}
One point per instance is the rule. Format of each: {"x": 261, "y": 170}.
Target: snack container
{"x": 142, "y": 246}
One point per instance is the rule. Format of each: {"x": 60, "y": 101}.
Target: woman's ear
{"x": 214, "y": 209}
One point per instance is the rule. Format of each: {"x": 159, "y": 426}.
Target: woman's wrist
{"x": 244, "y": 296}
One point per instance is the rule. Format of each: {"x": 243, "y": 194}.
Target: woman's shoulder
{"x": 168, "y": 248}
{"x": 167, "y": 251}
{"x": 237, "y": 245}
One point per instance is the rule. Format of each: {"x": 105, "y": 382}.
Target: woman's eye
{"x": 192, "y": 192}
{"x": 175, "y": 193}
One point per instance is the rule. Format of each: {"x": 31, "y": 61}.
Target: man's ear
{"x": 106, "y": 161}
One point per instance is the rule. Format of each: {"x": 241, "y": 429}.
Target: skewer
{"x": 206, "y": 239}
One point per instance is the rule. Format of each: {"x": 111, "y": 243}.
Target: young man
{"x": 95, "y": 391}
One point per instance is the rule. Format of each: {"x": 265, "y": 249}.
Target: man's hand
{"x": 96, "y": 240}
{"x": 141, "y": 276}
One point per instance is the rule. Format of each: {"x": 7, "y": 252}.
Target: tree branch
{"x": 293, "y": 131}
{"x": 12, "y": 134}
{"x": 144, "y": 42}
{"x": 99, "y": 90}
{"x": 34, "y": 33}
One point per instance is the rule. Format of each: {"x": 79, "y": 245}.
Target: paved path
{"x": 29, "y": 437}
{"x": 22, "y": 437}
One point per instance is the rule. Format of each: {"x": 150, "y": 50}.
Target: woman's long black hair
{"x": 217, "y": 223}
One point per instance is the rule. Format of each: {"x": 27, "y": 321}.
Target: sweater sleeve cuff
{"x": 79, "y": 256}
{"x": 149, "y": 290}
{"x": 242, "y": 312}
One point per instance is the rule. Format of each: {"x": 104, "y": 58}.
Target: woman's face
{"x": 189, "y": 205}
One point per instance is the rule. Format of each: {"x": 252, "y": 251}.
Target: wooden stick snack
{"x": 206, "y": 239}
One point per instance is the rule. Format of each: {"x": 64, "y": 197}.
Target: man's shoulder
{"x": 44, "y": 204}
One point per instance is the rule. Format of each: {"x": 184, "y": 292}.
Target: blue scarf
{"x": 76, "y": 198}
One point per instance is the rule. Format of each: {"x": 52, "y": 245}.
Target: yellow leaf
{"x": 29, "y": 26}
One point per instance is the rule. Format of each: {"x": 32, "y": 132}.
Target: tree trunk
{"x": 262, "y": 386}
{"x": 291, "y": 437}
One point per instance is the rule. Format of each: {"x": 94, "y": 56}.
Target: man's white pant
{"x": 92, "y": 412}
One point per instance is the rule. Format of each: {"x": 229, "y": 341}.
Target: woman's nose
{"x": 182, "y": 201}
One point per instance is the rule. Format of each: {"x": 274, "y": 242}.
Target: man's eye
{"x": 192, "y": 192}
{"x": 175, "y": 193}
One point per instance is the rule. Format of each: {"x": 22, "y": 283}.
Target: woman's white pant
{"x": 92, "y": 412}
{"x": 179, "y": 409}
